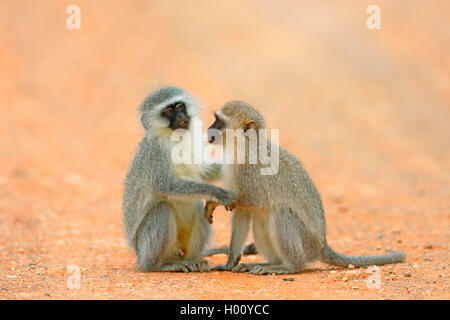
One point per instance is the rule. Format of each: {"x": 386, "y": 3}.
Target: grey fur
{"x": 288, "y": 218}
{"x": 161, "y": 209}
{"x": 249, "y": 249}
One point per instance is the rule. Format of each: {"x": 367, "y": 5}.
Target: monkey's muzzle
{"x": 180, "y": 122}
{"x": 212, "y": 133}
{"x": 181, "y": 125}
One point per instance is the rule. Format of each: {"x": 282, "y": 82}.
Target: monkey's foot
{"x": 245, "y": 267}
{"x": 222, "y": 267}
{"x": 187, "y": 266}
{"x": 273, "y": 269}
{"x": 198, "y": 265}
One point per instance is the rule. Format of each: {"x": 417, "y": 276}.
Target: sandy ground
{"x": 366, "y": 111}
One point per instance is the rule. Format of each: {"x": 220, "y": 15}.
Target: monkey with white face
{"x": 285, "y": 208}
{"x": 162, "y": 207}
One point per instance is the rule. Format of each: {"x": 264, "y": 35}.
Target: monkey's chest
{"x": 244, "y": 185}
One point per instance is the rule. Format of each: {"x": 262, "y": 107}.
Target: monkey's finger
{"x": 185, "y": 269}
{"x": 204, "y": 267}
{"x": 193, "y": 267}
{"x": 257, "y": 270}
{"x": 230, "y": 207}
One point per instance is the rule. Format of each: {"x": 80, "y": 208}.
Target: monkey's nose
{"x": 183, "y": 124}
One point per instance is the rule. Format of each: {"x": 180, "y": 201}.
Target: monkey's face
{"x": 176, "y": 114}
{"x": 224, "y": 122}
{"x": 217, "y": 128}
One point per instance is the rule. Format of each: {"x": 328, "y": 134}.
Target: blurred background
{"x": 366, "y": 111}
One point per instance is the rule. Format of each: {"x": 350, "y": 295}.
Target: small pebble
{"x": 345, "y": 279}
{"x": 407, "y": 274}
{"x": 380, "y": 235}
{"x": 350, "y": 266}
{"x": 429, "y": 246}
{"x": 427, "y": 259}
{"x": 288, "y": 279}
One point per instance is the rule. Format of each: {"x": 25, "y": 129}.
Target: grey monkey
{"x": 285, "y": 208}
{"x": 162, "y": 207}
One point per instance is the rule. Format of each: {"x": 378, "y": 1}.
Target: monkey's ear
{"x": 249, "y": 124}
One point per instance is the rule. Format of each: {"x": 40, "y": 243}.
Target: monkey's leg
{"x": 201, "y": 231}
{"x": 156, "y": 243}
{"x": 263, "y": 243}
{"x": 249, "y": 249}
{"x": 285, "y": 233}
{"x": 239, "y": 232}
{"x": 154, "y": 239}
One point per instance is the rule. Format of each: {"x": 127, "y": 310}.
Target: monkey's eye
{"x": 179, "y": 106}
{"x": 168, "y": 111}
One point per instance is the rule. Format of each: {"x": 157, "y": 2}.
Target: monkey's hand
{"x": 210, "y": 206}
{"x": 231, "y": 207}
{"x": 223, "y": 197}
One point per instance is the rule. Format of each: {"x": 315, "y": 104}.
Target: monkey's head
{"x": 166, "y": 109}
{"x": 235, "y": 115}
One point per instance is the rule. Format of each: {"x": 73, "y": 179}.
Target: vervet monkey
{"x": 162, "y": 211}
{"x": 285, "y": 208}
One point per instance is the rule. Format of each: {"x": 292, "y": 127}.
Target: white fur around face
{"x": 158, "y": 125}
{"x": 222, "y": 116}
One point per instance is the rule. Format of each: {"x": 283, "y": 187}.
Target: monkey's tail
{"x": 335, "y": 258}
{"x": 248, "y": 250}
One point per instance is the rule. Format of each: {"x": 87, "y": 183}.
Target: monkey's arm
{"x": 211, "y": 172}
{"x": 165, "y": 183}
{"x": 239, "y": 232}
{"x": 171, "y": 186}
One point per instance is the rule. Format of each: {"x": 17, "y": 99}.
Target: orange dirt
{"x": 367, "y": 112}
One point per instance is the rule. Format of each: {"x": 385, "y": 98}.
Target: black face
{"x": 219, "y": 124}
{"x": 177, "y": 116}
